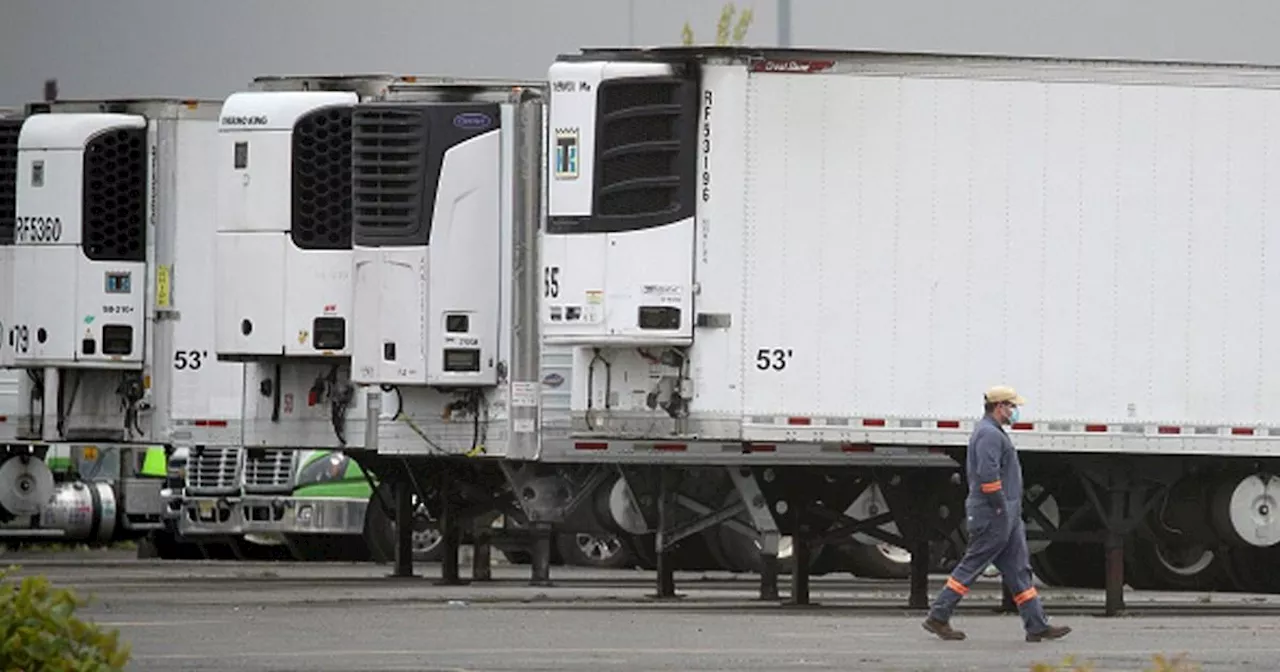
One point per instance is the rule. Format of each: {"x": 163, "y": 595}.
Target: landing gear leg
{"x": 541, "y": 565}
{"x": 482, "y": 552}
{"x": 800, "y": 554}
{"x": 919, "y": 596}
{"x": 450, "y": 532}
{"x": 666, "y": 568}
{"x": 404, "y": 529}
{"x": 769, "y": 560}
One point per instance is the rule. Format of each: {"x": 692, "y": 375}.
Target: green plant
{"x": 726, "y": 31}
{"x": 39, "y": 631}
{"x": 1068, "y": 664}
{"x": 1160, "y": 663}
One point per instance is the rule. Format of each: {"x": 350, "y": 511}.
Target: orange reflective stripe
{"x": 1024, "y": 596}
{"x": 993, "y": 486}
{"x": 957, "y": 586}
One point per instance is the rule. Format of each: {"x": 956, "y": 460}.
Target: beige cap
{"x": 1002, "y": 393}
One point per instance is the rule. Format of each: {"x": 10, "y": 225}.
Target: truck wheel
{"x": 249, "y": 551}
{"x": 326, "y": 548}
{"x": 212, "y": 550}
{"x": 594, "y": 550}
{"x": 164, "y": 546}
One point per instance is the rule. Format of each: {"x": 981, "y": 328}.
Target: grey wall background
{"x": 189, "y": 48}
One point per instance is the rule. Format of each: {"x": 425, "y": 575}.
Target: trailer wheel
{"x": 604, "y": 551}
{"x": 1071, "y": 565}
{"x": 879, "y": 561}
{"x": 642, "y": 552}
{"x": 1154, "y": 565}
{"x": 1250, "y": 569}
{"x": 380, "y": 530}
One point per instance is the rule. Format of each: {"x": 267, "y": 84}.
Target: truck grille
{"x": 267, "y": 470}
{"x": 322, "y": 180}
{"x": 9, "y": 129}
{"x": 213, "y": 468}
{"x": 115, "y": 195}
{"x": 647, "y": 129}
{"x": 389, "y": 147}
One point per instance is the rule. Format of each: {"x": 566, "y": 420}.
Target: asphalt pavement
{"x": 212, "y": 615}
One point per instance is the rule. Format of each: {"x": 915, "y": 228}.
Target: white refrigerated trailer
{"x": 798, "y": 271}
{"x": 110, "y": 206}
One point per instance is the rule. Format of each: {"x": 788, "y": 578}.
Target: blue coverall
{"x": 996, "y": 530}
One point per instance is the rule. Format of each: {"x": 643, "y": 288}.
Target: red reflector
{"x": 857, "y": 448}
{"x": 1023, "y": 425}
{"x": 591, "y": 446}
{"x": 677, "y": 447}
{"x": 210, "y": 423}
{"x": 4, "y": 418}
{"x": 1095, "y": 428}
{"x": 936, "y": 450}
{"x": 799, "y": 421}
{"x": 313, "y": 398}
{"x": 1169, "y": 430}
{"x": 872, "y": 422}
{"x": 948, "y": 424}
{"x": 1242, "y": 431}
{"x": 762, "y": 448}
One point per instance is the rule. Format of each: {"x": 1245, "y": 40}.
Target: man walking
{"x": 996, "y": 531}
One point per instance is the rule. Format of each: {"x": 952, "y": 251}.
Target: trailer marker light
{"x": 1168, "y": 429}
{"x": 210, "y": 423}
{"x": 591, "y": 446}
{"x": 799, "y": 421}
{"x": 873, "y": 422}
{"x": 857, "y": 448}
{"x": 669, "y": 447}
{"x": 761, "y": 448}
{"x": 1095, "y": 428}
{"x": 1242, "y": 431}
{"x": 948, "y": 424}
{"x": 1023, "y": 425}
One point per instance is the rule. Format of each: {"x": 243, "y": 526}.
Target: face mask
{"x": 1013, "y": 417}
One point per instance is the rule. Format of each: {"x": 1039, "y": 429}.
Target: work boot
{"x": 1052, "y": 632}
{"x": 942, "y": 629}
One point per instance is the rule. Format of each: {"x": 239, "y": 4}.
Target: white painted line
{"x": 152, "y": 624}
{"x": 943, "y": 650}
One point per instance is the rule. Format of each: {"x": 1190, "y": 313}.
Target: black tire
{"x": 518, "y": 557}
{"x": 216, "y": 550}
{"x": 327, "y": 548}
{"x": 871, "y": 562}
{"x": 1068, "y": 564}
{"x": 1250, "y": 570}
{"x": 162, "y": 545}
{"x": 1149, "y": 566}
{"x": 380, "y": 531}
{"x": 248, "y": 551}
